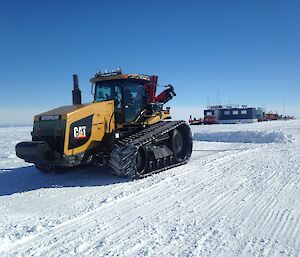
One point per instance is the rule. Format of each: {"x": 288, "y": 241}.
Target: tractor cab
{"x": 134, "y": 96}
{"x": 127, "y": 90}
{"x": 128, "y": 95}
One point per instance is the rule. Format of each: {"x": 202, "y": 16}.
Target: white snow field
{"x": 239, "y": 195}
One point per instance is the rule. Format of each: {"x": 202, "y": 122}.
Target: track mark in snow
{"x": 85, "y": 220}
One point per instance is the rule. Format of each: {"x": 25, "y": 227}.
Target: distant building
{"x": 231, "y": 114}
{"x": 260, "y": 114}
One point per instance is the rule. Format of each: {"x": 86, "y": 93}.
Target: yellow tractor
{"x": 125, "y": 127}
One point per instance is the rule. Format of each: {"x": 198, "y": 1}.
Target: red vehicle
{"x": 272, "y": 116}
{"x": 194, "y": 121}
{"x": 209, "y": 120}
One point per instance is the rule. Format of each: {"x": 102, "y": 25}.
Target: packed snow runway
{"x": 238, "y": 196}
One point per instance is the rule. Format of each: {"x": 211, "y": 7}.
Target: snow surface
{"x": 238, "y": 196}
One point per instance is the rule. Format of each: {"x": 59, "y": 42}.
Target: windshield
{"x": 108, "y": 90}
{"x": 134, "y": 95}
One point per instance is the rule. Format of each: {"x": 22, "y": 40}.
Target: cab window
{"x": 103, "y": 93}
{"x": 108, "y": 91}
{"x": 134, "y": 94}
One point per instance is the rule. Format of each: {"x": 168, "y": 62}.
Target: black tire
{"x": 182, "y": 143}
{"x": 158, "y": 164}
{"x": 141, "y": 161}
{"x": 171, "y": 160}
{"x": 177, "y": 144}
{"x": 151, "y": 166}
{"x": 166, "y": 162}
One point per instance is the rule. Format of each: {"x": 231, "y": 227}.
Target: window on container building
{"x": 244, "y": 112}
{"x": 235, "y": 112}
{"x": 226, "y": 112}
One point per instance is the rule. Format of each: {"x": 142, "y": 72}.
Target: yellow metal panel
{"x": 103, "y": 122}
{"x": 159, "y": 117}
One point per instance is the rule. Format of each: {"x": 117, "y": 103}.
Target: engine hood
{"x": 60, "y": 112}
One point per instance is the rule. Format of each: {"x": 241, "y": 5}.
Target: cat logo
{"x": 80, "y": 132}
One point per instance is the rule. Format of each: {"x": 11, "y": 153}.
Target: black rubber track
{"x": 123, "y": 156}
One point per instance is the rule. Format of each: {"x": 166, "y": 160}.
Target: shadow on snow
{"x": 24, "y": 179}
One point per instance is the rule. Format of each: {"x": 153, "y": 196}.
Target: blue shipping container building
{"x": 230, "y": 115}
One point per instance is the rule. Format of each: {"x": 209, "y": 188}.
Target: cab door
{"x": 134, "y": 98}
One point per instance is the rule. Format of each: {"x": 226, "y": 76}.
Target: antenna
{"x": 219, "y": 98}
{"x": 208, "y": 102}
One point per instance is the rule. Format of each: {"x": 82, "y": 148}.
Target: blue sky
{"x": 245, "y": 52}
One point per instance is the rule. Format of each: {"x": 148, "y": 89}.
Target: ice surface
{"x": 239, "y": 195}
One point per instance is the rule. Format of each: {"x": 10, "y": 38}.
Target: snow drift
{"x": 257, "y": 137}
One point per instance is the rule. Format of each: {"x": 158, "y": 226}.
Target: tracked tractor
{"x": 125, "y": 127}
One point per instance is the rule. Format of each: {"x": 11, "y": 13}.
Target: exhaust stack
{"x": 76, "y": 93}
